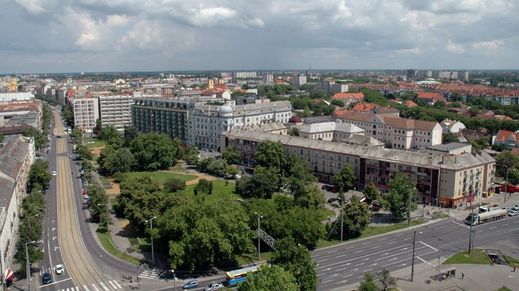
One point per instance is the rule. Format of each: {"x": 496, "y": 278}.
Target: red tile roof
{"x": 507, "y": 136}
{"x": 348, "y": 95}
{"x": 364, "y": 107}
{"x": 434, "y": 97}
{"x": 410, "y": 103}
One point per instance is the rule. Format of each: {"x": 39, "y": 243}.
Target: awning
{"x": 8, "y": 275}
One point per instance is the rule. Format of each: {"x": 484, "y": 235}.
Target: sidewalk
{"x": 476, "y": 278}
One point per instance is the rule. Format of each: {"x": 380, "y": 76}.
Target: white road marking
{"x": 332, "y": 251}
{"x": 514, "y": 229}
{"x": 493, "y": 227}
{"x": 86, "y": 288}
{"x": 344, "y": 281}
{"x": 421, "y": 259}
{"x": 359, "y": 251}
{"x": 340, "y": 269}
{"x": 367, "y": 270}
{"x": 117, "y": 284}
{"x": 428, "y": 246}
{"x": 95, "y": 287}
{"x": 53, "y": 283}
{"x": 112, "y": 285}
{"x": 349, "y": 275}
{"x": 359, "y": 264}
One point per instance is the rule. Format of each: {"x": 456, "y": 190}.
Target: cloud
{"x": 250, "y": 34}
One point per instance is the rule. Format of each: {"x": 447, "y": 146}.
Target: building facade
{"x": 16, "y": 157}
{"x": 116, "y": 111}
{"x": 440, "y": 179}
{"x": 86, "y": 113}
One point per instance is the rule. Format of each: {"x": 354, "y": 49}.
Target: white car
{"x": 213, "y": 287}
{"x": 513, "y": 213}
{"x": 54, "y": 173}
{"x": 60, "y": 269}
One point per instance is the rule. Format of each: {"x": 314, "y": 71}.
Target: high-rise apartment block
{"x": 115, "y": 111}
{"x": 86, "y": 113}
{"x": 298, "y": 81}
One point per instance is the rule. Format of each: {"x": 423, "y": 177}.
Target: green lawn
{"x": 160, "y": 177}
{"x": 106, "y": 241}
{"x": 374, "y": 230}
{"x": 476, "y": 256}
{"x": 512, "y": 261}
{"x": 222, "y": 190}
{"x": 94, "y": 143}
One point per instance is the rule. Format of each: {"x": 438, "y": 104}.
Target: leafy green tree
{"x": 231, "y": 156}
{"x": 345, "y": 179}
{"x": 111, "y": 136}
{"x": 30, "y": 228}
{"x": 385, "y": 279}
{"x": 356, "y": 217}
{"x": 204, "y": 187}
{"x": 39, "y": 174}
{"x": 368, "y": 283}
{"x": 310, "y": 197}
{"x": 296, "y": 259}
{"x": 130, "y": 133}
{"x": 262, "y": 184}
{"x": 338, "y": 102}
{"x": 175, "y": 184}
{"x": 1, "y": 137}
{"x": 83, "y": 152}
{"x": 400, "y": 192}
{"x": 153, "y": 151}
{"x": 299, "y": 176}
{"x": 271, "y": 155}
{"x": 506, "y": 160}
{"x": 304, "y": 226}
{"x": 371, "y": 192}
{"x": 450, "y": 137}
{"x": 513, "y": 176}
{"x": 479, "y": 144}
{"x": 273, "y": 278}
{"x": 294, "y": 131}
{"x": 40, "y": 139}
{"x": 76, "y": 134}
{"x": 98, "y": 127}
{"x": 99, "y": 207}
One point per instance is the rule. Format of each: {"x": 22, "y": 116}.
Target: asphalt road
{"x": 344, "y": 265}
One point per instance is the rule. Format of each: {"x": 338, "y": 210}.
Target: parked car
{"x": 46, "y": 278}
{"x": 60, "y": 269}
{"x": 190, "y": 285}
{"x": 516, "y": 208}
{"x": 54, "y": 173}
{"x": 213, "y": 287}
{"x": 513, "y": 213}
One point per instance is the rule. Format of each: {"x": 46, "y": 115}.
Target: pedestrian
{"x": 462, "y": 276}
{"x": 515, "y": 266}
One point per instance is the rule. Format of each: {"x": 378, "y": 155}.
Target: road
{"x": 67, "y": 236}
{"x": 344, "y": 265}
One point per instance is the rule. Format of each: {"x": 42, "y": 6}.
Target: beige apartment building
{"x": 116, "y": 111}
{"x": 86, "y": 113}
{"x": 447, "y": 180}
{"x": 394, "y": 131}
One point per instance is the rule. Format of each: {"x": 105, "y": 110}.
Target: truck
{"x": 479, "y": 218}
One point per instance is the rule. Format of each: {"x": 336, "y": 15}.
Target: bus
{"x": 235, "y": 277}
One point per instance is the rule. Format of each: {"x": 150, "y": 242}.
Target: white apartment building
{"x": 396, "y": 132}
{"x": 298, "y": 81}
{"x": 86, "y": 113}
{"x": 18, "y": 96}
{"x": 245, "y": 75}
{"x": 208, "y": 122}
{"x": 116, "y": 111}
{"x": 268, "y": 79}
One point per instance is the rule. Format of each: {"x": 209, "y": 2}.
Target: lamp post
{"x": 409, "y": 207}
{"x": 471, "y": 223}
{"x": 506, "y": 185}
{"x": 27, "y": 267}
{"x": 259, "y": 239}
{"x": 151, "y": 237}
{"x": 174, "y": 280}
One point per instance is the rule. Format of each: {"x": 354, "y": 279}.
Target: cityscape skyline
{"x": 125, "y": 35}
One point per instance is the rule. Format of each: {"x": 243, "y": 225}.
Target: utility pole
{"x": 409, "y": 209}
{"x": 27, "y": 266}
{"x": 506, "y": 185}
{"x": 259, "y": 235}
{"x": 471, "y": 223}
{"x": 412, "y": 261}
{"x": 151, "y": 236}
{"x": 342, "y": 219}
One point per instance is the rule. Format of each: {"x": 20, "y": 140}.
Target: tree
{"x": 231, "y": 156}
{"x": 153, "y": 151}
{"x": 338, "y": 102}
{"x": 294, "y": 131}
{"x": 371, "y": 192}
{"x": 98, "y": 127}
{"x": 310, "y": 197}
{"x": 175, "y": 184}
{"x": 479, "y": 144}
{"x": 204, "y": 187}
{"x": 83, "y": 152}
{"x": 368, "y": 283}
{"x": 506, "y": 160}
{"x": 273, "y": 278}
{"x": 39, "y": 175}
{"x": 400, "y": 192}
{"x": 111, "y": 136}
{"x": 40, "y": 139}
{"x": 356, "y": 217}
{"x": 130, "y": 133}
{"x": 76, "y": 134}
{"x": 270, "y": 155}
{"x": 345, "y": 180}
{"x": 298, "y": 174}
{"x": 385, "y": 279}
{"x": 304, "y": 226}
{"x": 297, "y": 260}
{"x": 262, "y": 184}
{"x": 450, "y": 137}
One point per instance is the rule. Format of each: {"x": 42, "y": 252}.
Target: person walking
{"x": 462, "y": 276}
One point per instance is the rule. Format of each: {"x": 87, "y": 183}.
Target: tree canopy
{"x": 153, "y": 151}
{"x": 345, "y": 179}
{"x": 270, "y": 155}
{"x": 272, "y": 278}
{"x": 397, "y": 200}
{"x": 39, "y": 174}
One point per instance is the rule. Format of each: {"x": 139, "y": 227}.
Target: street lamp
{"x": 151, "y": 236}
{"x": 27, "y": 267}
{"x": 409, "y": 206}
{"x": 259, "y": 240}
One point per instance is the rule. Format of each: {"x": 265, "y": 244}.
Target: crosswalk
{"x": 152, "y": 274}
{"x": 100, "y": 286}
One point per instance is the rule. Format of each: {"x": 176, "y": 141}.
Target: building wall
{"x": 86, "y": 113}
{"x": 116, "y": 111}
{"x": 433, "y": 183}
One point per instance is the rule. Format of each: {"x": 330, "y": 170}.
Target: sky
{"x": 163, "y": 35}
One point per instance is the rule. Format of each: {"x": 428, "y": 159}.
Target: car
{"x": 85, "y": 198}
{"x": 60, "y": 269}
{"x": 516, "y": 208}
{"x": 54, "y": 173}
{"x": 46, "y": 278}
{"x": 190, "y": 284}
{"x": 214, "y": 286}
{"x": 513, "y": 213}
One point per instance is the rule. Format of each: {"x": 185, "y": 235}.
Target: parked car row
{"x": 191, "y": 284}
